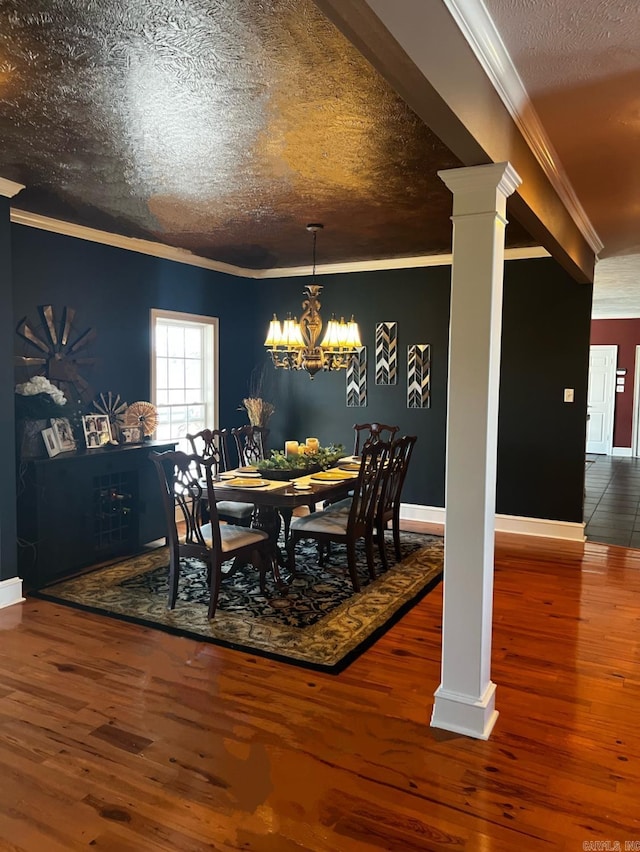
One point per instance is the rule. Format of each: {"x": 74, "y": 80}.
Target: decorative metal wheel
{"x": 60, "y": 351}
{"x": 110, "y": 404}
{"x": 143, "y": 414}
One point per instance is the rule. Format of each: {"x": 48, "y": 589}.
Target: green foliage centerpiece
{"x": 281, "y": 466}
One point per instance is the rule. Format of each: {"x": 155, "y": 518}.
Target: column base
{"x": 465, "y": 714}
{"x": 10, "y": 592}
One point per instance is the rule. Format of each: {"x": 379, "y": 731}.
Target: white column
{"x": 465, "y": 699}
{"x": 10, "y": 584}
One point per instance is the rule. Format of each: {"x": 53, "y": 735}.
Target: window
{"x": 184, "y": 374}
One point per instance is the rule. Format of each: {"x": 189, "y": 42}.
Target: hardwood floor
{"x": 116, "y": 737}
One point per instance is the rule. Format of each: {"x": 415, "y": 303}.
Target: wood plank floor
{"x": 116, "y": 737}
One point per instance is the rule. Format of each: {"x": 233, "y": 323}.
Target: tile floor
{"x": 612, "y": 500}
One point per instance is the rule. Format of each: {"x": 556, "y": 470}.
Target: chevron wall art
{"x": 357, "y": 380}
{"x": 419, "y": 375}
{"x": 386, "y": 353}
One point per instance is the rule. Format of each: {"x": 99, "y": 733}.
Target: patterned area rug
{"x": 319, "y": 623}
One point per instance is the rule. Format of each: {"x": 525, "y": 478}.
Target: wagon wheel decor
{"x": 143, "y": 414}
{"x": 56, "y": 350}
{"x": 110, "y": 404}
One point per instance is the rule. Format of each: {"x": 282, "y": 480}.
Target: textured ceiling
{"x": 580, "y": 63}
{"x": 616, "y": 287}
{"x": 218, "y": 126}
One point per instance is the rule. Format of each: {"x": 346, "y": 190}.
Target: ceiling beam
{"x": 419, "y": 49}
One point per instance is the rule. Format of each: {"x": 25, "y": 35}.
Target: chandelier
{"x": 294, "y": 345}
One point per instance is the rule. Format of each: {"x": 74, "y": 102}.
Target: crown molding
{"x": 9, "y": 188}
{"x": 415, "y": 262}
{"x": 93, "y": 235}
{"x": 483, "y": 38}
{"x": 68, "y": 229}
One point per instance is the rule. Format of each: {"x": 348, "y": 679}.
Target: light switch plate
{"x": 568, "y": 394}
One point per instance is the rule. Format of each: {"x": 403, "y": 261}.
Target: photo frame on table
{"x": 131, "y": 435}
{"x": 50, "y": 442}
{"x": 63, "y": 434}
{"x": 97, "y": 430}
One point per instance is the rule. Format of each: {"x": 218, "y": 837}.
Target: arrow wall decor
{"x": 357, "y": 379}
{"x": 386, "y": 353}
{"x": 419, "y": 375}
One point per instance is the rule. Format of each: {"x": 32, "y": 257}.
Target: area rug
{"x": 318, "y": 623}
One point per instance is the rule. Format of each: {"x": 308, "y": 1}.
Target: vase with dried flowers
{"x": 258, "y": 409}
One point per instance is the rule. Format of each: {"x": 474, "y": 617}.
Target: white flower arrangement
{"x": 40, "y": 384}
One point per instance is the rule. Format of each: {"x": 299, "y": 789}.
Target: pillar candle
{"x": 290, "y": 448}
{"x": 313, "y": 445}
{"x": 302, "y": 449}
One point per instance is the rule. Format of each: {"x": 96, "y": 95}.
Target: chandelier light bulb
{"x": 274, "y": 335}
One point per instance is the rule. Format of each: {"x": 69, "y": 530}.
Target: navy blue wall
{"x": 113, "y": 290}
{"x": 418, "y": 299}
{"x": 545, "y": 348}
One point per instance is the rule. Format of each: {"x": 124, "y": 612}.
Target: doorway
{"x": 635, "y": 433}
{"x": 601, "y": 398}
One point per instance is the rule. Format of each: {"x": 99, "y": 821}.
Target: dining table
{"x": 274, "y": 498}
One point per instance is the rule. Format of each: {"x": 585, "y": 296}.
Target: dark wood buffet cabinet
{"x": 78, "y": 509}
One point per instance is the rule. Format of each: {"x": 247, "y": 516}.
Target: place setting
{"x": 351, "y": 466}
{"x": 331, "y": 475}
{"x": 246, "y": 481}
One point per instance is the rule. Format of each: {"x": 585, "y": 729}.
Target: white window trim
{"x": 195, "y": 319}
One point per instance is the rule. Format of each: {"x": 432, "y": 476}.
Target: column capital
{"x": 495, "y": 176}
{"x": 481, "y": 189}
{"x": 9, "y": 188}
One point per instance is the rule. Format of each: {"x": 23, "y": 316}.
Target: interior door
{"x": 601, "y": 398}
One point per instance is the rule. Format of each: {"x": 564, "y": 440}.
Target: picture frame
{"x": 51, "y": 442}
{"x": 97, "y": 430}
{"x": 131, "y": 435}
{"x": 63, "y": 434}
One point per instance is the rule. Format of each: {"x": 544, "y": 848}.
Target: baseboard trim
{"x": 504, "y": 523}
{"x": 625, "y": 452}
{"x": 427, "y": 514}
{"x": 10, "y": 592}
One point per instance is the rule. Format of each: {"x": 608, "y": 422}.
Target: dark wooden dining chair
{"x": 388, "y": 508}
{"x": 212, "y": 444}
{"x": 372, "y": 432}
{"x": 251, "y": 442}
{"x": 334, "y": 524}
{"x": 213, "y": 543}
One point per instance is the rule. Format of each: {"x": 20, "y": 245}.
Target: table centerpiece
{"x": 281, "y": 466}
